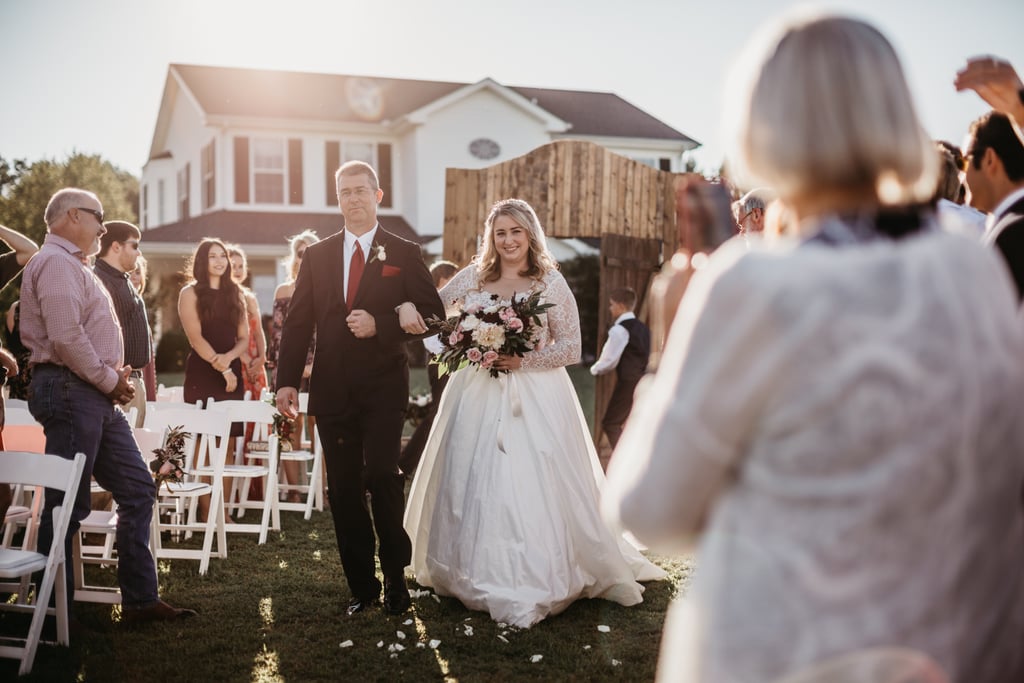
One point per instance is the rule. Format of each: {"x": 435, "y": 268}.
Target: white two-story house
{"x": 249, "y": 156}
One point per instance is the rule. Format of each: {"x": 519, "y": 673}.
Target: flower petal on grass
{"x": 616, "y": 662}
{"x": 347, "y": 643}
{"x": 536, "y": 658}
{"x": 434, "y": 643}
{"x": 502, "y": 638}
{"x": 604, "y": 629}
{"x": 401, "y": 636}
{"x": 380, "y": 643}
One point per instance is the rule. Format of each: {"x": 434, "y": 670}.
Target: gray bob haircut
{"x": 820, "y": 102}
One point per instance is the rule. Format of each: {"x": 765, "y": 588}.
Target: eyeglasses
{"x": 134, "y": 244}
{"x": 965, "y": 161}
{"x": 94, "y": 212}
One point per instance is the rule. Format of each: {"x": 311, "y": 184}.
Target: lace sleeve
{"x": 563, "y": 344}
{"x": 454, "y": 293}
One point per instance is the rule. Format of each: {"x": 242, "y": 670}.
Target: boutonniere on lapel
{"x": 377, "y": 253}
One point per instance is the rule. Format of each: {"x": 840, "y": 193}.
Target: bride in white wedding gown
{"x": 503, "y": 513}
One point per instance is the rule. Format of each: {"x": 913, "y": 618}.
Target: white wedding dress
{"x": 503, "y": 513}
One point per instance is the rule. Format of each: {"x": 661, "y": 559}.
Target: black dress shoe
{"x": 357, "y": 605}
{"x": 396, "y": 597}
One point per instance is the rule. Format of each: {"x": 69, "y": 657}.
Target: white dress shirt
{"x": 365, "y": 241}
{"x": 1009, "y": 200}
{"x": 618, "y": 338}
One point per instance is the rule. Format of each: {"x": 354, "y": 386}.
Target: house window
{"x": 268, "y": 176}
{"x": 144, "y": 209}
{"x": 184, "y": 181}
{"x": 376, "y": 154}
{"x": 161, "y": 214}
{"x": 268, "y": 170}
{"x": 209, "y": 183}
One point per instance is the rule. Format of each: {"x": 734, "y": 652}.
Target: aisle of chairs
{"x": 230, "y": 445}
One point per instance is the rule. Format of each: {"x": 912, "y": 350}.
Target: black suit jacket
{"x": 1008, "y": 232}
{"x": 348, "y": 372}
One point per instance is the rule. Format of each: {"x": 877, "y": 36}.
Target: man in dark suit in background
{"x": 994, "y": 173}
{"x": 348, "y": 290}
{"x": 627, "y": 351}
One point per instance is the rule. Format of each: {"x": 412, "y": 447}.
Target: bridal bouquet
{"x": 480, "y": 333}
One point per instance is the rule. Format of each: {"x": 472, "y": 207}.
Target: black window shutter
{"x": 332, "y": 160}
{"x": 294, "y": 171}
{"x": 384, "y": 174}
{"x": 241, "y": 170}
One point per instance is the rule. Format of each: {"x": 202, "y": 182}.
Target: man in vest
{"x": 626, "y": 351}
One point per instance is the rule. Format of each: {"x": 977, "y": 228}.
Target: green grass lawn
{"x": 276, "y": 613}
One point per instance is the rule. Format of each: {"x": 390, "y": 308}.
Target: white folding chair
{"x": 172, "y": 394}
{"x": 17, "y": 416}
{"x": 261, "y": 416}
{"x": 30, "y": 438}
{"x": 54, "y": 472}
{"x": 313, "y": 457}
{"x": 206, "y": 450}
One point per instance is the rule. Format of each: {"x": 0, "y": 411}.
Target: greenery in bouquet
{"x": 479, "y": 334}
{"x": 169, "y": 462}
{"x": 282, "y": 426}
{"x": 416, "y": 409}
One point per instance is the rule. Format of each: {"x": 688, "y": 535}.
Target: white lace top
{"x": 841, "y": 427}
{"x": 560, "y": 338}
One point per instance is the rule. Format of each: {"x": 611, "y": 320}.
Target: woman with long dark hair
{"x": 212, "y": 312}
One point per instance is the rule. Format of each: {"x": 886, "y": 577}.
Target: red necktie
{"x": 355, "y": 272}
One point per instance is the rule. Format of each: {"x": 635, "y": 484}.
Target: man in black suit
{"x": 627, "y": 351}
{"x": 994, "y": 173}
{"x": 349, "y": 288}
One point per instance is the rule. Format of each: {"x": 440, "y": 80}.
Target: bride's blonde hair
{"x": 539, "y": 260}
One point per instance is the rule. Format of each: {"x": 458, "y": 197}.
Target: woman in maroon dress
{"x": 212, "y": 312}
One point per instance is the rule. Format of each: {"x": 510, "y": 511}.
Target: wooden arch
{"x": 578, "y": 189}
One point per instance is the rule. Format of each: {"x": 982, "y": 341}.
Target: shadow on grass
{"x": 276, "y": 613}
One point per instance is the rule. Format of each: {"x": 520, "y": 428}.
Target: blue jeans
{"x": 78, "y": 418}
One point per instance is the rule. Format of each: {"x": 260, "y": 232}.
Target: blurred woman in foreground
{"x": 836, "y": 416}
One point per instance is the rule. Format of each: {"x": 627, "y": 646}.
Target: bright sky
{"x": 88, "y": 76}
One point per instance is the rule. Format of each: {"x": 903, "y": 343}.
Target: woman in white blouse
{"x": 835, "y": 420}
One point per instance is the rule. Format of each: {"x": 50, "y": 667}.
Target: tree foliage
{"x": 25, "y": 188}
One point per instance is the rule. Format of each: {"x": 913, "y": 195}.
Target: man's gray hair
{"x": 758, "y": 198}
{"x": 63, "y": 201}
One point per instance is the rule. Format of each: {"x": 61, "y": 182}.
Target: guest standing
{"x": 626, "y": 351}
{"x": 297, "y": 245}
{"x": 138, "y": 279}
{"x": 441, "y": 272}
{"x": 119, "y": 254}
{"x": 212, "y": 311}
{"x": 836, "y": 418}
{"x": 254, "y": 360}
{"x": 79, "y": 383}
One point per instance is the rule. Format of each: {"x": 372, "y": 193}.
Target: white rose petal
{"x": 420, "y": 645}
{"x": 347, "y": 643}
{"x": 434, "y": 643}
{"x": 407, "y": 622}
{"x": 436, "y": 599}
{"x": 380, "y": 644}
{"x": 400, "y": 647}
{"x": 391, "y": 647}
{"x": 616, "y": 662}
{"x": 586, "y": 647}
{"x": 393, "y": 655}
{"x": 401, "y": 636}
{"x": 604, "y": 629}
{"x": 502, "y": 638}
{"x": 468, "y": 630}
{"x": 536, "y": 658}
